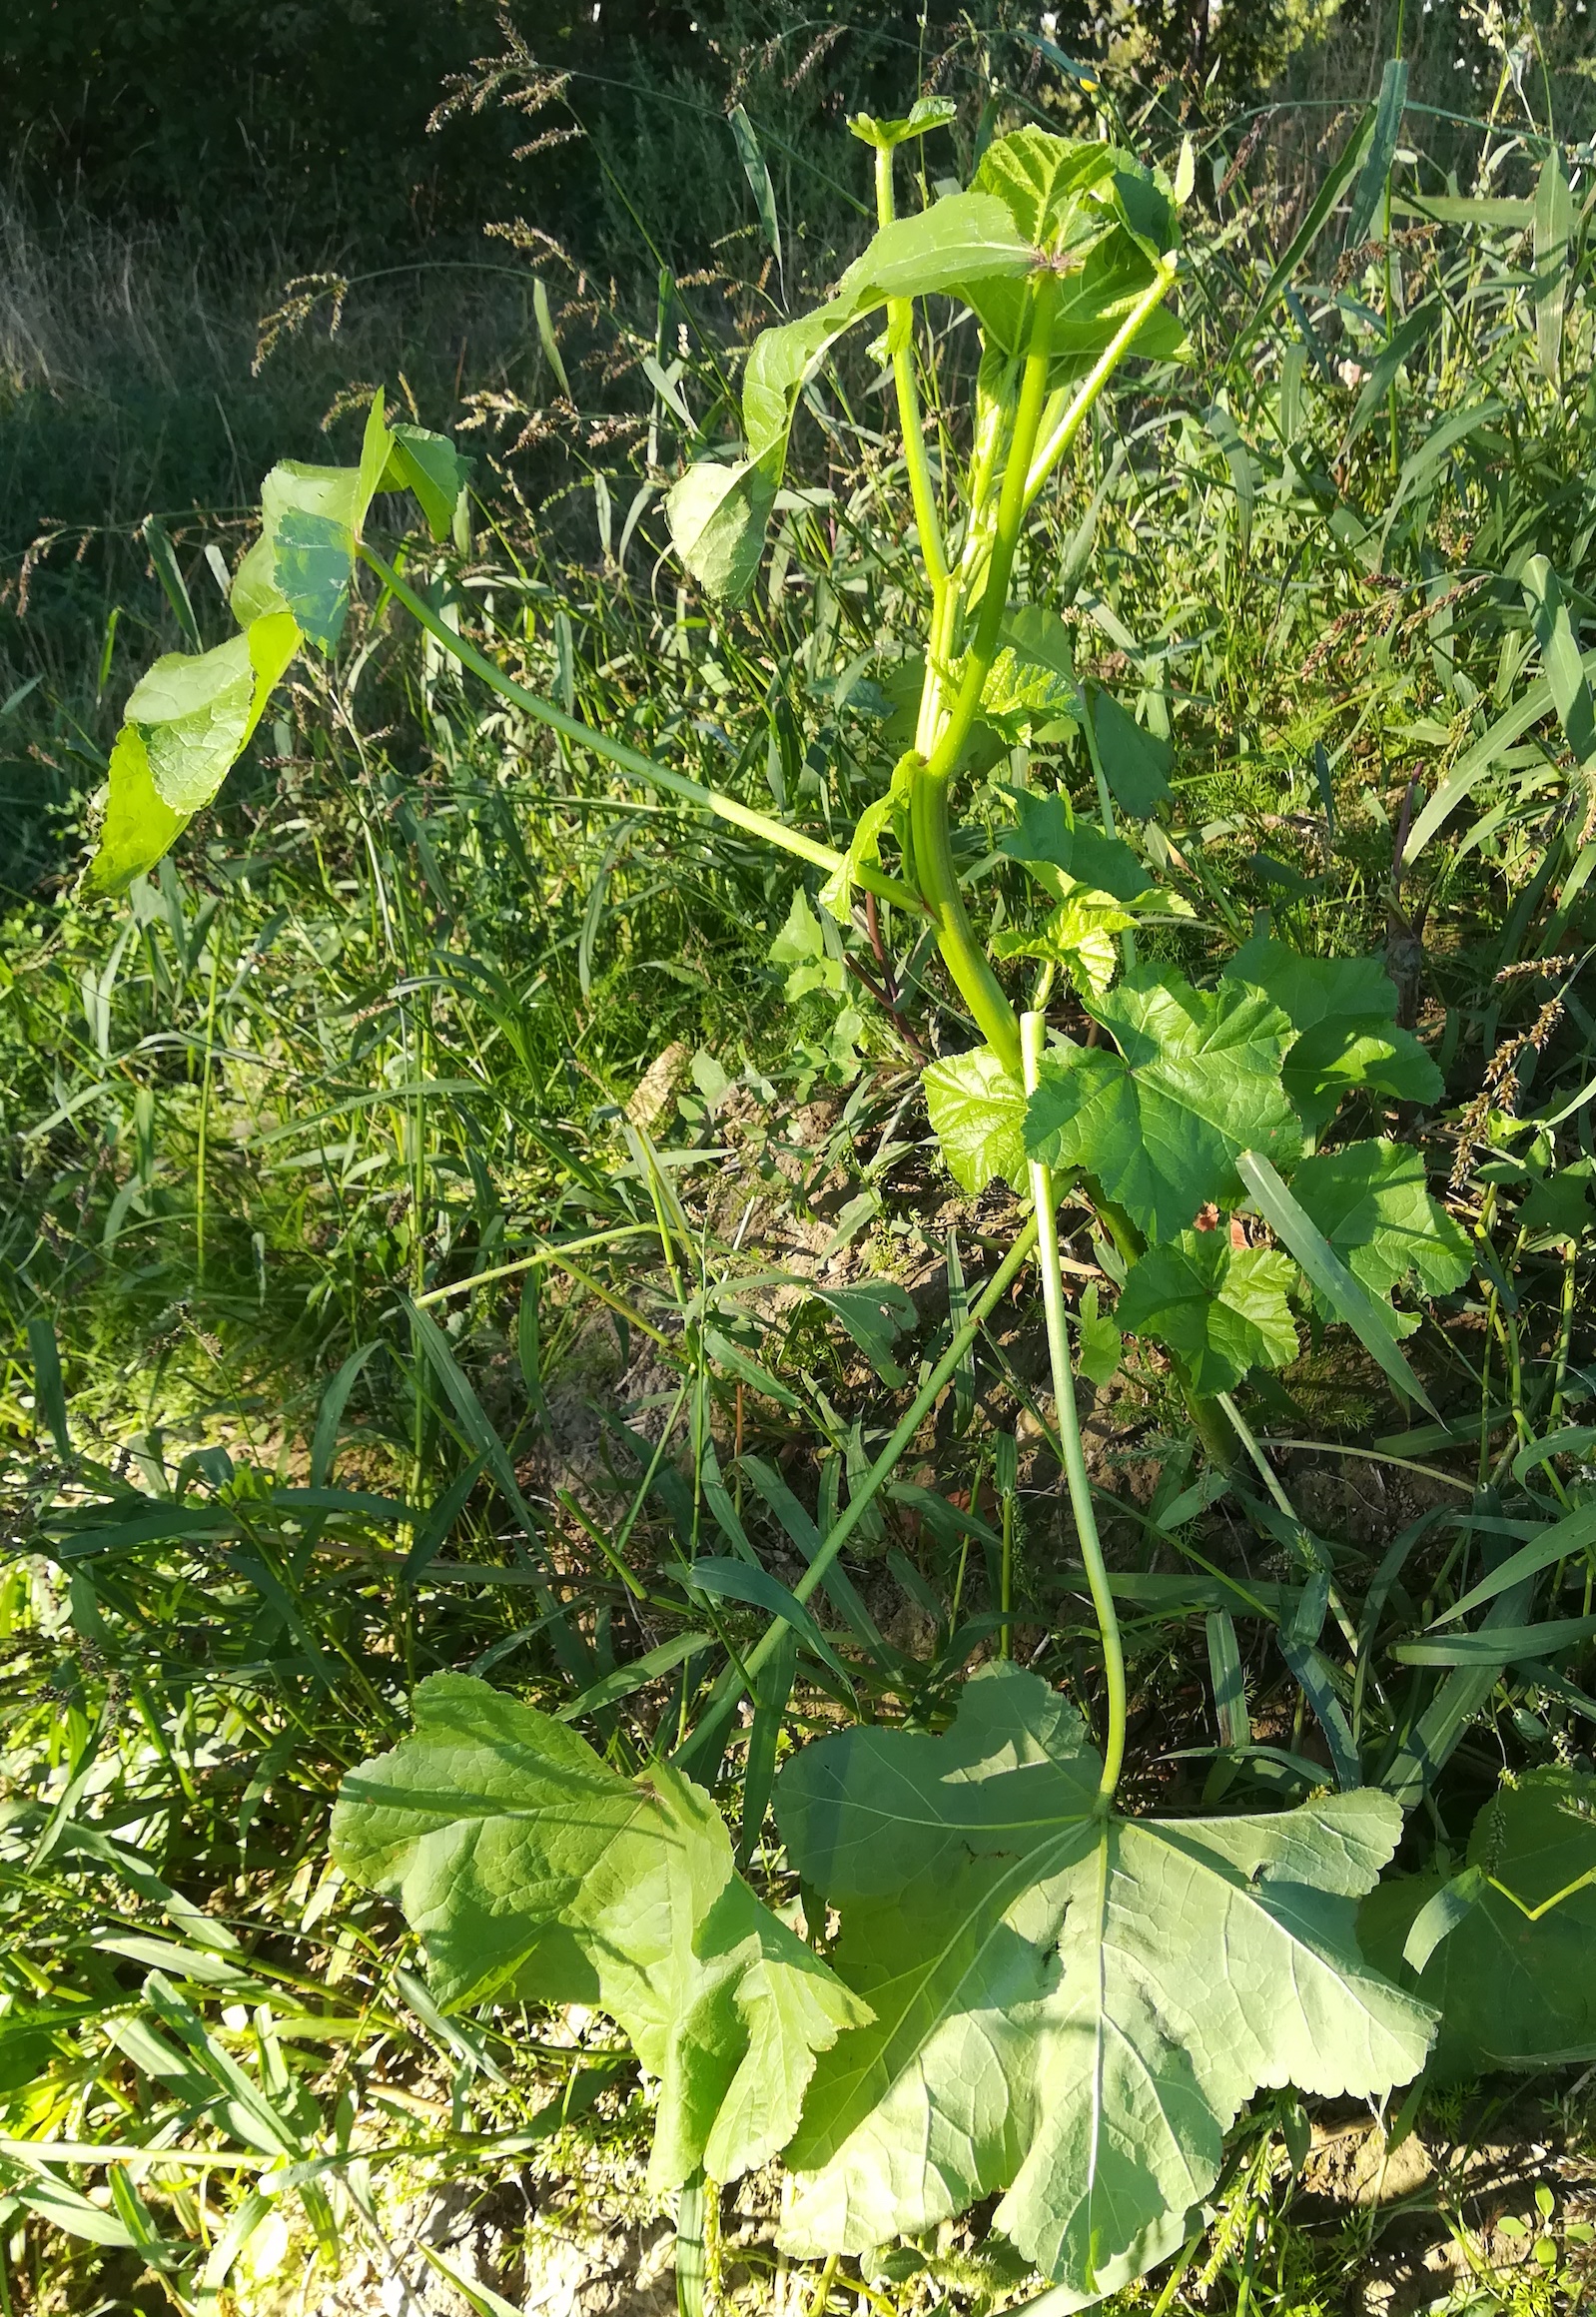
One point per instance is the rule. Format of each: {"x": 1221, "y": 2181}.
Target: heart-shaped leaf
{"x": 977, "y": 1109}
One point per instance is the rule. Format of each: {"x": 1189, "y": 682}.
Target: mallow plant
{"x": 1010, "y": 1987}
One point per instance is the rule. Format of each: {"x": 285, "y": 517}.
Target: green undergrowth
{"x": 530, "y": 1416}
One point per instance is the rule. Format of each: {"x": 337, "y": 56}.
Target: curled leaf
{"x": 529, "y": 1869}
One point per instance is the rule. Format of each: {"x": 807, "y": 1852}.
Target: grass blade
{"x": 1372, "y": 1323}
{"x": 323, "y": 1445}
{"x": 1574, "y": 1534}
{"x": 1554, "y": 217}
{"x": 1560, "y": 658}
{"x": 628, "y": 1678}
{"x": 1507, "y": 1644}
{"x": 1376, "y": 172}
{"x": 758, "y": 175}
{"x": 48, "y": 1389}
{"x": 1230, "y": 1690}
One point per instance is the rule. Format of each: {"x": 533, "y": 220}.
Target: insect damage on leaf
{"x": 1158, "y": 1125}
{"x": 1069, "y": 2006}
{"x": 531, "y": 1869}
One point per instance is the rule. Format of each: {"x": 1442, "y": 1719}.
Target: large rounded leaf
{"x": 1069, "y": 2006}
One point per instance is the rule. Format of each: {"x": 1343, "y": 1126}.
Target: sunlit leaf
{"x": 188, "y": 719}
{"x": 1070, "y": 2008}
{"x": 976, "y": 1111}
{"x": 311, "y": 520}
{"x": 717, "y": 516}
{"x": 527, "y": 1867}
{"x": 1077, "y": 935}
{"x": 1158, "y": 1125}
{"x": 1221, "y": 1310}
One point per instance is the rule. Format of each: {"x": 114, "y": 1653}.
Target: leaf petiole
{"x": 628, "y": 759}
{"x": 1032, "y": 1030}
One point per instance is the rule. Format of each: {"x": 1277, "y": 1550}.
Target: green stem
{"x": 1032, "y": 1030}
{"x": 935, "y": 870}
{"x": 963, "y": 954}
{"x": 628, "y": 759}
{"x": 1565, "y": 1338}
{"x": 205, "y": 1107}
{"x": 899, "y": 337}
{"x": 1060, "y": 437}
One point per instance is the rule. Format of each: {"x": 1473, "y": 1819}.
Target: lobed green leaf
{"x": 1219, "y": 1309}
{"x": 529, "y": 1868}
{"x": 1069, "y": 2007}
{"x": 1160, "y": 1125}
{"x": 1343, "y": 1011}
{"x": 1371, "y": 1203}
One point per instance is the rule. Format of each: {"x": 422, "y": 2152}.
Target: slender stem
{"x": 1092, "y": 386}
{"x": 900, "y": 338}
{"x": 628, "y": 759}
{"x": 603, "y": 1239}
{"x": 1564, "y": 1338}
{"x": 205, "y": 1104}
{"x": 1005, "y": 1596}
{"x": 1006, "y": 539}
{"x": 935, "y": 869}
{"x": 963, "y": 954}
{"x": 1031, "y": 1029}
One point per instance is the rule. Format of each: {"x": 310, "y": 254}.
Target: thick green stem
{"x": 935, "y": 871}
{"x": 965, "y": 960}
{"x": 1032, "y": 1030}
{"x": 628, "y": 759}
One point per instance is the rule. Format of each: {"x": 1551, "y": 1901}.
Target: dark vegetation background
{"x": 170, "y": 167}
